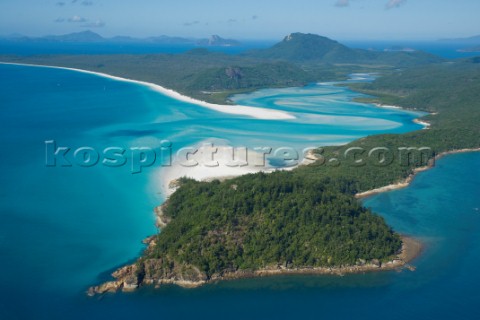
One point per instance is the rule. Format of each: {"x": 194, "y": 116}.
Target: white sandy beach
{"x": 258, "y": 113}
{"x": 385, "y": 106}
{"x": 425, "y": 124}
{"x": 202, "y": 172}
{"x": 167, "y": 176}
{"x": 222, "y": 171}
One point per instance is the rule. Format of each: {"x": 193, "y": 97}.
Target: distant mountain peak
{"x": 299, "y": 36}
{"x": 86, "y": 32}
{"x": 217, "y": 41}
{"x": 307, "y": 47}
{"x": 88, "y": 36}
{"x": 289, "y": 37}
{"x": 82, "y": 36}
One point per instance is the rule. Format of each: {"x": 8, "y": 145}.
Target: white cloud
{"x": 192, "y": 23}
{"x": 77, "y": 19}
{"x": 342, "y": 3}
{"x": 84, "y": 3}
{"x": 395, "y": 3}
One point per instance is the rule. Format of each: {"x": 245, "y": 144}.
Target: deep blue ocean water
{"x": 445, "y": 49}
{"x": 66, "y": 228}
{"x": 449, "y": 50}
{"x": 29, "y": 48}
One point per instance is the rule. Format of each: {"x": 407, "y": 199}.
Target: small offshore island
{"x": 323, "y": 233}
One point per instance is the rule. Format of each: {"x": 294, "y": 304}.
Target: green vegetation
{"x": 260, "y": 75}
{"x": 311, "y": 48}
{"x": 213, "y": 76}
{"x": 308, "y": 216}
{"x": 451, "y": 92}
{"x": 263, "y": 220}
{"x": 198, "y": 73}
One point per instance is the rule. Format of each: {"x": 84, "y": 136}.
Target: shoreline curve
{"x": 127, "y": 280}
{"x": 254, "y": 112}
{"x": 407, "y": 181}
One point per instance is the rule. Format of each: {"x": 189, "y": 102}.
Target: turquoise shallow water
{"x": 64, "y": 229}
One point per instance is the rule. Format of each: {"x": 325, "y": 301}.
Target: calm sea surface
{"x": 65, "y": 228}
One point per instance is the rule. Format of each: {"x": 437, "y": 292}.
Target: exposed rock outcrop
{"x": 161, "y": 219}
{"x": 160, "y": 271}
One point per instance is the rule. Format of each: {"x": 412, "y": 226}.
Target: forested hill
{"x": 213, "y": 76}
{"x": 264, "y": 220}
{"x": 311, "y": 48}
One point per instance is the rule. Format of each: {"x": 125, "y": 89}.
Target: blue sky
{"x": 245, "y": 19}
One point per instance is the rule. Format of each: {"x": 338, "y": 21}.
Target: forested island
{"x": 307, "y": 220}
{"x": 297, "y": 60}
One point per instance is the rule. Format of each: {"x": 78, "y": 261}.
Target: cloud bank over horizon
{"x": 395, "y": 3}
{"x": 247, "y": 19}
{"x": 389, "y": 5}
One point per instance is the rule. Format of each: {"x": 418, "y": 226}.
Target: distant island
{"x": 471, "y": 49}
{"x": 217, "y": 41}
{"x": 472, "y": 39}
{"x": 399, "y": 48}
{"x": 297, "y": 60}
{"x": 469, "y": 44}
{"x": 92, "y": 37}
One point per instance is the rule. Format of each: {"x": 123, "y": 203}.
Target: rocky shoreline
{"x": 161, "y": 220}
{"x": 145, "y": 272}
{"x": 151, "y": 272}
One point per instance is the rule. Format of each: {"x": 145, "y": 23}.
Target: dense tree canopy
{"x": 309, "y": 216}
{"x": 262, "y": 220}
